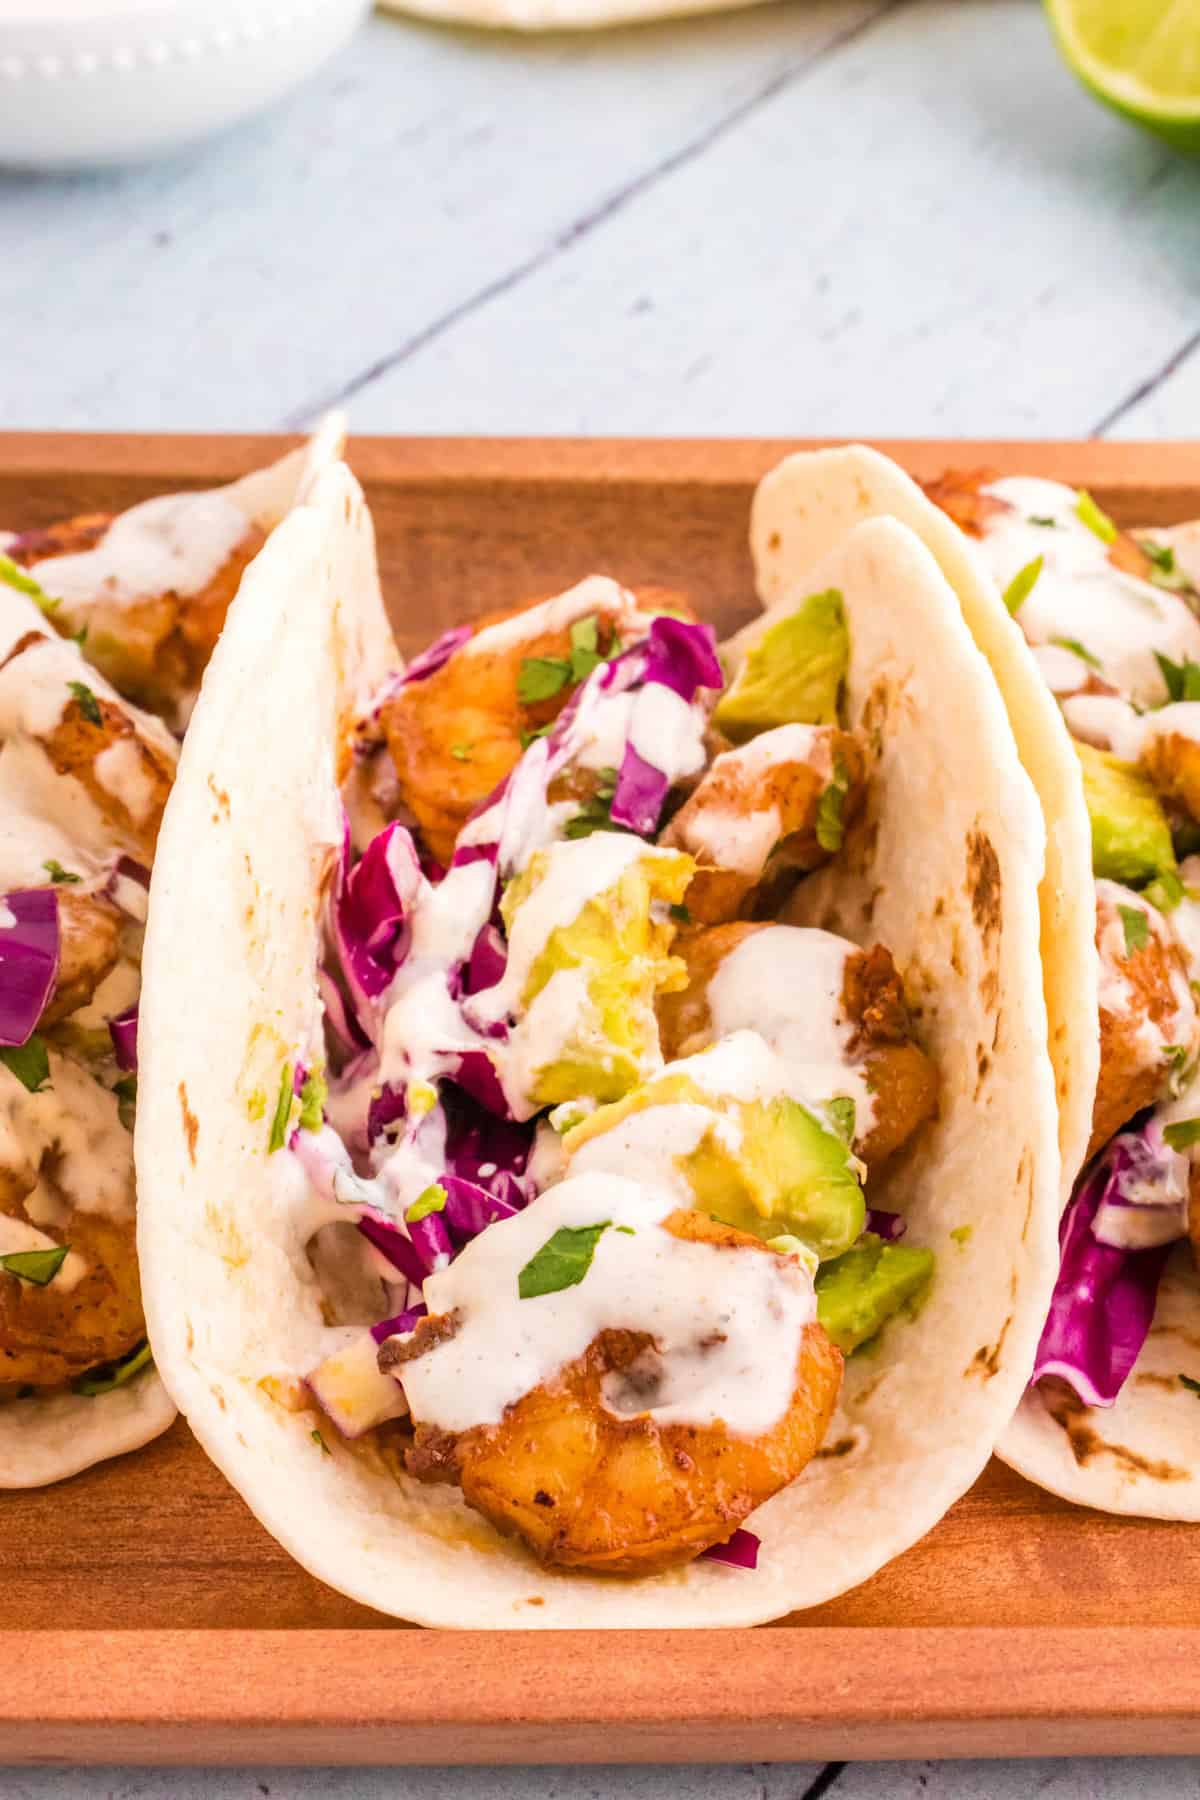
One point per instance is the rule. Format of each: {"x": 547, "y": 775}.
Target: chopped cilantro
{"x": 1182, "y": 1134}
{"x": 1182, "y": 679}
{"x": 89, "y": 706}
{"x": 116, "y": 1374}
{"x": 830, "y": 829}
{"x": 1043, "y": 519}
{"x": 29, "y": 1063}
{"x": 1094, "y": 518}
{"x": 313, "y": 1095}
{"x": 529, "y": 737}
{"x": 1137, "y": 928}
{"x": 126, "y": 1092}
{"x": 540, "y": 678}
{"x": 585, "y": 647}
{"x": 594, "y": 813}
{"x": 680, "y": 914}
{"x": 562, "y": 1261}
{"x": 432, "y": 1200}
{"x": 283, "y": 1112}
{"x": 1023, "y": 584}
{"x": 1164, "y": 571}
{"x": 58, "y": 875}
{"x": 19, "y": 578}
{"x": 1193, "y": 1387}
{"x": 78, "y": 637}
{"x": 318, "y": 1439}
{"x": 37, "y": 1267}
{"x": 1077, "y": 649}
{"x": 462, "y": 752}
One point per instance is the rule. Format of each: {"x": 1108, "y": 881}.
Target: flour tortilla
{"x": 802, "y": 508}
{"x": 229, "y": 992}
{"x": 49, "y": 1437}
{"x": 556, "y": 15}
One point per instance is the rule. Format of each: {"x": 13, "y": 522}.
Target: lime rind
{"x": 1140, "y": 57}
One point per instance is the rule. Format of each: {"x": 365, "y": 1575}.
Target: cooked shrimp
{"x": 89, "y": 933}
{"x": 455, "y": 735}
{"x": 154, "y": 648}
{"x": 589, "y": 1488}
{"x": 1172, "y": 762}
{"x": 784, "y": 800}
{"x": 1147, "y": 1010}
{"x": 49, "y": 1337}
{"x": 900, "y": 1076}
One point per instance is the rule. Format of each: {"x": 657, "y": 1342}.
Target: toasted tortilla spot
{"x": 983, "y": 883}
{"x": 219, "y": 794}
{"x": 191, "y": 1124}
{"x": 1087, "y": 1446}
{"x": 842, "y": 1447}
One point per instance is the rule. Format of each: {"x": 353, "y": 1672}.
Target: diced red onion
{"x": 29, "y": 951}
{"x": 739, "y": 1552}
{"x": 886, "y": 1225}
{"x": 386, "y": 1107}
{"x": 123, "y": 1032}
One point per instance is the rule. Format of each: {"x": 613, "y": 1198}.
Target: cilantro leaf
{"x": 562, "y": 1261}
{"x": 1182, "y": 1134}
{"x": 318, "y": 1439}
{"x": 37, "y": 1267}
{"x": 585, "y": 647}
{"x": 830, "y": 829}
{"x": 432, "y": 1200}
{"x": 89, "y": 706}
{"x": 1137, "y": 928}
{"x": 58, "y": 875}
{"x": 1182, "y": 679}
{"x": 115, "y": 1375}
{"x": 19, "y": 578}
{"x": 680, "y": 914}
{"x": 540, "y": 678}
{"x": 529, "y": 737}
{"x": 1077, "y": 649}
{"x": 1096, "y": 520}
{"x": 594, "y": 814}
{"x": 29, "y": 1063}
{"x": 1023, "y": 584}
{"x": 1043, "y": 519}
{"x": 283, "y": 1112}
{"x": 461, "y": 752}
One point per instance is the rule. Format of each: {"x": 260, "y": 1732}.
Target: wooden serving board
{"x": 146, "y": 1616}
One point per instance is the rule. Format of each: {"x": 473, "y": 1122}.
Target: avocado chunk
{"x": 1131, "y": 839}
{"x": 589, "y": 992}
{"x": 786, "y": 670}
{"x": 859, "y": 1292}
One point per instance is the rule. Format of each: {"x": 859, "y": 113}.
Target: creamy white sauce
{"x": 727, "y": 1324}
{"x": 668, "y": 732}
{"x": 595, "y": 594}
{"x": 121, "y": 772}
{"x": 734, "y": 833}
{"x": 73, "y": 1131}
{"x": 1107, "y": 722}
{"x": 648, "y": 1146}
{"x": 1117, "y": 994}
{"x": 1185, "y": 920}
{"x": 1061, "y": 670}
{"x": 115, "y": 994}
{"x": 175, "y": 543}
{"x": 16, "y": 1237}
{"x": 1119, "y": 619}
{"x": 785, "y": 982}
{"x": 1180, "y": 719}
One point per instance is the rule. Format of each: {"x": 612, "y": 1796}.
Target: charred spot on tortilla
{"x": 191, "y": 1124}
{"x": 984, "y": 884}
{"x": 1087, "y": 1445}
{"x": 220, "y": 795}
{"x": 840, "y": 1447}
{"x": 986, "y": 1360}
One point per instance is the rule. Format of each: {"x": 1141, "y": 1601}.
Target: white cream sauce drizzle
{"x": 785, "y": 982}
{"x": 16, "y": 1237}
{"x": 175, "y": 543}
{"x": 727, "y": 1324}
{"x": 595, "y": 594}
{"x": 729, "y": 832}
{"x": 75, "y": 1122}
{"x": 1118, "y": 618}
{"x": 1117, "y": 995}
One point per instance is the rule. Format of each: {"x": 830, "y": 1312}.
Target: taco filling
{"x": 106, "y": 623}
{"x": 605, "y": 1122}
{"x": 1113, "y": 620}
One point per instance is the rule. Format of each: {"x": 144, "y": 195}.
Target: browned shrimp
{"x": 90, "y": 929}
{"x": 1172, "y": 762}
{"x": 762, "y": 803}
{"x": 455, "y": 736}
{"x": 154, "y": 648}
{"x": 1146, "y": 1008}
{"x": 48, "y": 1337}
{"x": 900, "y": 1076}
{"x": 587, "y": 1488}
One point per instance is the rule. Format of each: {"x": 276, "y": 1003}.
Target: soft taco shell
{"x": 233, "y": 1307}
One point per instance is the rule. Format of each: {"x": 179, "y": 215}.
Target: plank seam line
{"x": 588, "y": 222}
{"x": 1151, "y": 384}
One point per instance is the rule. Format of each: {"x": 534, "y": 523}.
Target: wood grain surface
{"x": 145, "y": 1615}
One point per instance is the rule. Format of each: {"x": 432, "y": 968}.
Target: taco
{"x": 1109, "y": 628}
{"x": 95, "y": 613}
{"x": 581, "y": 1053}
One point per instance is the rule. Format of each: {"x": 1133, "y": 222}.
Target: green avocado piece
{"x": 786, "y": 671}
{"x": 859, "y": 1292}
{"x": 1131, "y": 839}
{"x": 790, "y": 1176}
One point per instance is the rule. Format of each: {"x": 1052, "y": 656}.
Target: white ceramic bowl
{"x": 99, "y": 81}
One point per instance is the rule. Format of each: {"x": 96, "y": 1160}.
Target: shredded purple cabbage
{"x": 641, "y": 789}
{"x": 682, "y": 655}
{"x": 470, "y": 1208}
{"x": 123, "y": 1032}
{"x": 438, "y": 653}
{"x": 1104, "y": 1299}
{"x": 401, "y": 1324}
{"x": 738, "y": 1552}
{"x": 371, "y": 910}
{"x": 391, "y": 1242}
{"x": 29, "y": 950}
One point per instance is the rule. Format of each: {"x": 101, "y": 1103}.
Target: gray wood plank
{"x": 933, "y": 230}
{"x": 241, "y": 285}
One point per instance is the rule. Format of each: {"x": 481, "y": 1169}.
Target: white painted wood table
{"x": 831, "y": 216}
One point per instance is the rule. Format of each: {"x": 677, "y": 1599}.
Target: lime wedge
{"x": 1142, "y": 57}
